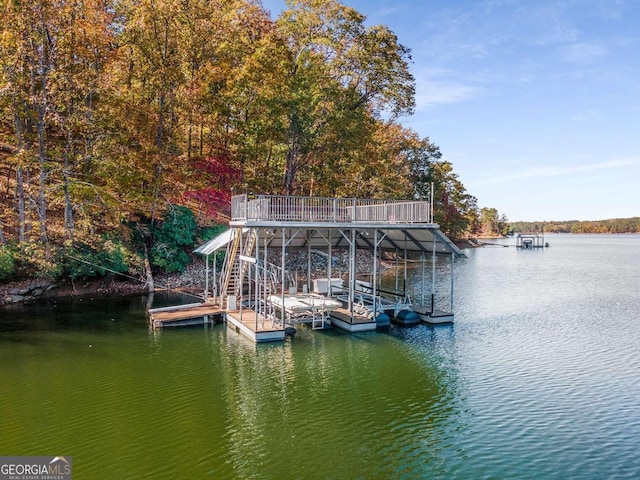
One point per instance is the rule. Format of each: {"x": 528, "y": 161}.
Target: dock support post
{"x": 422, "y": 280}
{"x": 215, "y": 280}
{"x": 396, "y": 269}
{"x": 352, "y": 269}
{"x": 404, "y": 276}
{"x": 453, "y": 261}
{"x": 206, "y": 278}
{"x": 264, "y": 306}
{"x": 284, "y": 251}
{"x": 309, "y": 261}
{"x": 329, "y": 273}
{"x": 375, "y": 272}
{"x": 256, "y": 305}
{"x": 433, "y": 275}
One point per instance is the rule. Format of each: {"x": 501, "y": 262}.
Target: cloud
{"x": 585, "y": 116}
{"x": 559, "y": 171}
{"x": 388, "y": 11}
{"x": 438, "y": 87}
{"x": 583, "y": 52}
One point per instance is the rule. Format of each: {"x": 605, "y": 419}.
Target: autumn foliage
{"x": 113, "y": 112}
{"x": 217, "y": 177}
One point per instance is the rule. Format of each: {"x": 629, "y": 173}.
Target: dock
{"x": 244, "y": 321}
{"x": 254, "y": 326}
{"x": 342, "y": 318}
{"x": 528, "y": 241}
{"x": 438, "y": 316}
{"x": 184, "y": 315}
{"x": 265, "y": 301}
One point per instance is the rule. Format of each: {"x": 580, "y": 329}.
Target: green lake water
{"x": 538, "y": 378}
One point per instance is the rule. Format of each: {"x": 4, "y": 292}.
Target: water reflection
{"x": 334, "y": 399}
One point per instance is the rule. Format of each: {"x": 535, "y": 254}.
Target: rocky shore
{"x": 192, "y": 279}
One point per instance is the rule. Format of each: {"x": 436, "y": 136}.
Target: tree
{"x": 52, "y": 55}
{"x": 113, "y": 114}
{"x": 492, "y": 223}
{"x": 336, "y": 67}
{"x": 454, "y": 208}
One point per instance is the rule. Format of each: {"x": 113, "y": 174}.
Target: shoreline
{"x": 28, "y": 290}
{"x": 190, "y": 280}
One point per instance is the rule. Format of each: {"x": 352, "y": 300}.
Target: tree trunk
{"x": 19, "y": 129}
{"x": 189, "y": 139}
{"x": 42, "y": 198}
{"x": 21, "y": 203}
{"x": 147, "y": 268}
{"x": 289, "y": 173}
{"x": 69, "y": 224}
{"x": 157, "y": 172}
{"x": 42, "y": 110}
{"x": 290, "y": 166}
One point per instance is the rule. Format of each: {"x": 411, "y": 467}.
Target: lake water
{"x": 538, "y": 378}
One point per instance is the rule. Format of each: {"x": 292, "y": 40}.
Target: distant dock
{"x": 529, "y": 241}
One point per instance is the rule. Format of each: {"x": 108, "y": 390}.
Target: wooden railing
{"x": 276, "y": 208}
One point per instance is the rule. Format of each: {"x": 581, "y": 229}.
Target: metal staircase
{"x": 233, "y": 270}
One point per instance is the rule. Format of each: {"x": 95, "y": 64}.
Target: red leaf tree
{"x": 217, "y": 176}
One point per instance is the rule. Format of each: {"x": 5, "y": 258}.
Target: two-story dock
{"x": 262, "y": 300}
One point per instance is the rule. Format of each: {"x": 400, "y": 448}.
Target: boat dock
{"x": 528, "y": 241}
{"x": 265, "y": 301}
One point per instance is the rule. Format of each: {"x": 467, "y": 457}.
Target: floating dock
{"x": 255, "y": 326}
{"x": 183, "y": 315}
{"x": 245, "y": 321}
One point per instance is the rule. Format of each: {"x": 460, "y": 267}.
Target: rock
{"x": 43, "y": 284}
{"x": 24, "y": 291}
{"x": 17, "y": 298}
{"x": 36, "y": 292}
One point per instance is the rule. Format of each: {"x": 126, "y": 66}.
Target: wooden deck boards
{"x": 189, "y": 312}
{"x": 249, "y": 320}
{"x": 260, "y": 331}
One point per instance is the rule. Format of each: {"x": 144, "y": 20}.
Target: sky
{"x": 536, "y": 103}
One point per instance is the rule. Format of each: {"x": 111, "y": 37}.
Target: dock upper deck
{"x": 279, "y": 208}
{"x": 320, "y": 221}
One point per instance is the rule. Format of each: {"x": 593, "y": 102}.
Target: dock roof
{"x": 315, "y": 221}
{"x": 412, "y": 237}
